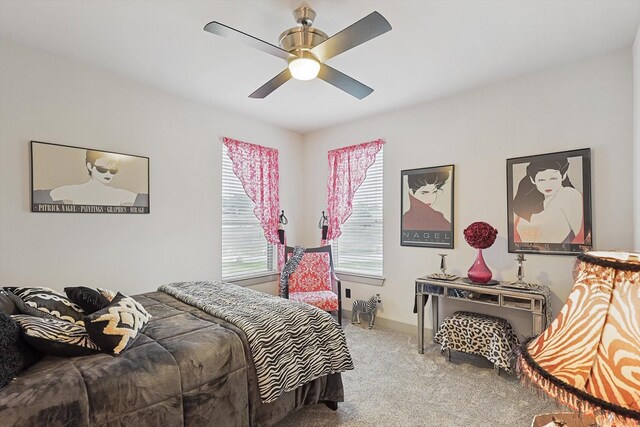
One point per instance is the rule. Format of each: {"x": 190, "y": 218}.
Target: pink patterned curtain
{"x": 257, "y": 168}
{"x": 347, "y": 170}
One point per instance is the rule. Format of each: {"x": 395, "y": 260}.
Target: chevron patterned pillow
{"x": 116, "y": 327}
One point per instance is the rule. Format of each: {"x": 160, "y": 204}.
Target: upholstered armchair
{"x": 314, "y": 280}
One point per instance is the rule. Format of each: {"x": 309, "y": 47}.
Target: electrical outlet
{"x": 347, "y": 293}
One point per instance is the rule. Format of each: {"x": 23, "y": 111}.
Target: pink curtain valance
{"x": 257, "y": 169}
{"x": 347, "y": 171}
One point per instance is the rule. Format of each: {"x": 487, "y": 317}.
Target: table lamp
{"x": 589, "y": 357}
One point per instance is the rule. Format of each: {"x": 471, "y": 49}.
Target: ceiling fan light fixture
{"x": 306, "y": 50}
{"x": 304, "y": 68}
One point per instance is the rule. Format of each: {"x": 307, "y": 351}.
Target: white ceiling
{"x": 436, "y": 48}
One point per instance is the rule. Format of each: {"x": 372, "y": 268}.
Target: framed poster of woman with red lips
{"x": 549, "y": 203}
{"x": 427, "y": 207}
{"x": 67, "y": 179}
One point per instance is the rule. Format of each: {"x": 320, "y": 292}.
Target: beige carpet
{"x": 393, "y": 385}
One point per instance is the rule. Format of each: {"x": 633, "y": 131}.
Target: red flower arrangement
{"x": 480, "y": 235}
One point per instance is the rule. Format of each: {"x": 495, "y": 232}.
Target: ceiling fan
{"x": 306, "y": 49}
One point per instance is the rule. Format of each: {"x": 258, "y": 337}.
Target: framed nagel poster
{"x": 67, "y": 179}
{"x": 427, "y": 207}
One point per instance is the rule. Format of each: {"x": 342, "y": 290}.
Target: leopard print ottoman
{"x": 488, "y": 336}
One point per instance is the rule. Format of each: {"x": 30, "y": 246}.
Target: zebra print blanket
{"x": 291, "y": 343}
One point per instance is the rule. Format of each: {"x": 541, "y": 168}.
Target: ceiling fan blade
{"x": 271, "y": 85}
{"x": 369, "y": 27}
{"x": 344, "y": 82}
{"x": 231, "y": 33}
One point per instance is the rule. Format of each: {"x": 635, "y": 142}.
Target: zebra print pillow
{"x": 56, "y": 337}
{"x": 117, "y": 326}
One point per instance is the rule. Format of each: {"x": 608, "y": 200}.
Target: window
{"x": 358, "y": 250}
{"x": 245, "y": 251}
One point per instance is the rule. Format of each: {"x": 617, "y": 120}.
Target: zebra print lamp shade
{"x": 589, "y": 357}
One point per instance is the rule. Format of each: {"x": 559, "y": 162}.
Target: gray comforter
{"x": 291, "y": 342}
{"x": 188, "y": 368}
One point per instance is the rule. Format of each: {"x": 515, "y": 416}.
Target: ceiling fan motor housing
{"x": 303, "y": 37}
{"x": 304, "y": 16}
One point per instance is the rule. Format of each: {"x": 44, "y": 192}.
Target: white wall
{"x": 47, "y": 98}
{"x": 636, "y": 139}
{"x": 585, "y": 104}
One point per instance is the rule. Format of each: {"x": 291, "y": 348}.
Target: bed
{"x": 188, "y": 367}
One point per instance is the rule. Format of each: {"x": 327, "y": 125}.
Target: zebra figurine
{"x": 367, "y": 307}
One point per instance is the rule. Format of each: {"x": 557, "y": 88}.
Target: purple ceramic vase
{"x": 479, "y": 272}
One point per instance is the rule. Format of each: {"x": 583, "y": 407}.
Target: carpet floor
{"x": 393, "y": 385}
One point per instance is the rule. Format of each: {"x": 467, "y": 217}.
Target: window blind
{"x": 245, "y": 251}
{"x": 359, "y": 248}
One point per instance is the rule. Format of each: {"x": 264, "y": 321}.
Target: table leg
{"x": 420, "y": 308}
{"x": 537, "y": 322}
{"x": 435, "y": 321}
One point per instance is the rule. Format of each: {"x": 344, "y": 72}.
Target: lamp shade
{"x": 304, "y": 68}
{"x": 589, "y": 357}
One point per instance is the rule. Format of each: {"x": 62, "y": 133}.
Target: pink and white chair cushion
{"x": 311, "y": 282}
{"x": 324, "y": 300}
{"x": 313, "y": 274}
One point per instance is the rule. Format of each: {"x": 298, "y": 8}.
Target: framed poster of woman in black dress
{"x": 427, "y": 207}
{"x": 549, "y": 203}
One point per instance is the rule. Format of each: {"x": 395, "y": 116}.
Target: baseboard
{"x": 393, "y": 325}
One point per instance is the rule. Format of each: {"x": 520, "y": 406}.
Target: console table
{"x": 533, "y": 300}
